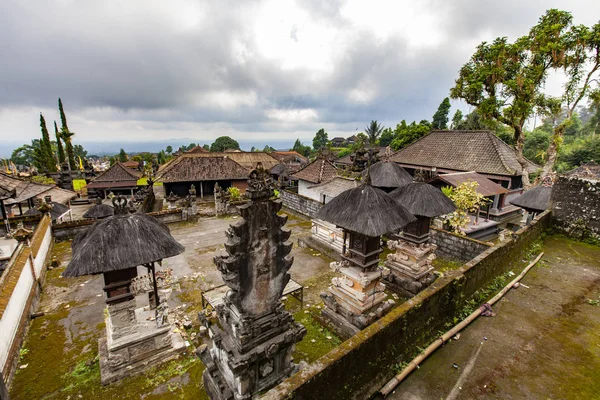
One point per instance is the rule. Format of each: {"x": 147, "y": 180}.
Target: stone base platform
{"x": 339, "y": 324}
{"x": 134, "y": 353}
{"x": 409, "y": 286}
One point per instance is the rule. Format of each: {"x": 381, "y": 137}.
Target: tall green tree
{"x": 373, "y": 131}
{"x": 406, "y": 134}
{"x": 48, "y": 163}
{"x": 169, "y": 149}
{"x": 505, "y": 80}
{"x": 61, "y": 150}
{"x": 223, "y": 143}
{"x": 440, "y": 118}
{"x": 66, "y": 136}
{"x": 301, "y": 148}
{"x": 122, "y": 157}
{"x": 320, "y": 140}
{"x": 457, "y": 119}
{"x": 580, "y": 60}
{"x": 386, "y": 138}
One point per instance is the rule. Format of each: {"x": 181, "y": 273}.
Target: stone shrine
{"x": 410, "y": 266}
{"x": 136, "y": 337}
{"x": 253, "y": 336}
{"x": 356, "y": 298}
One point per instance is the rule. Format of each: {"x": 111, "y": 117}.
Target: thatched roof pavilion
{"x": 421, "y": 198}
{"x": 120, "y": 242}
{"x": 366, "y": 210}
{"x": 388, "y": 175}
{"x": 99, "y": 211}
{"x": 536, "y": 199}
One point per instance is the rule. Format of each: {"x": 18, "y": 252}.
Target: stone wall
{"x": 168, "y": 216}
{"x": 363, "y": 364}
{"x": 575, "y": 205}
{"x": 300, "y": 204}
{"x": 452, "y": 246}
{"x": 68, "y": 230}
{"x": 19, "y": 294}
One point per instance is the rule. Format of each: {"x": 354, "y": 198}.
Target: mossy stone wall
{"x": 364, "y": 363}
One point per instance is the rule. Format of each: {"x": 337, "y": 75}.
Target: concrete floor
{"x": 544, "y": 342}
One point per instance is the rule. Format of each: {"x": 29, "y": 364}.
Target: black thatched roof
{"x": 388, "y": 175}
{"x": 366, "y": 210}
{"x": 421, "y": 198}
{"x": 119, "y": 242}
{"x": 536, "y": 199}
{"x": 99, "y": 211}
{"x": 56, "y": 212}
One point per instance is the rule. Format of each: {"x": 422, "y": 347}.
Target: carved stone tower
{"x": 252, "y": 342}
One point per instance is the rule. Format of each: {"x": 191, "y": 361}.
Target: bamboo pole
{"x": 395, "y": 381}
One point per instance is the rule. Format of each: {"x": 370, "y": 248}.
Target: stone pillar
{"x": 252, "y": 343}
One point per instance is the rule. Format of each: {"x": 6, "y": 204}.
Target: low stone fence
{"x": 300, "y": 204}
{"x": 169, "y": 216}
{"x": 363, "y": 364}
{"x": 68, "y": 230}
{"x": 19, "y": 293}
{"x": 452, "y": 246}
{"x": 575, "y": 206}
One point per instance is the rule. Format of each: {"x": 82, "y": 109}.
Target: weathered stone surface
{"x": 575, "y": 206}
{"x": 253, "y": 342}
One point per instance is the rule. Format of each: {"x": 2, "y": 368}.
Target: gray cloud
{"x": 163, "y": 65}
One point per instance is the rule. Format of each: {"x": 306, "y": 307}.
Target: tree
{"x": 580, "y": 60}
{"x": 169, "y": 149}
{"x": 373, "y": 131}
{"x": 504, "y": 80}
{"x": 28, "y": 154}
{"x": 386, "y": 137}
{"x": 301, "y": 148}
{"x": 407, "y": 134}
{"x": 440, "y": 118}
{"x": 79, "y": 152}
{"x": 457, "y": 119}
{"x": 206, "y": 147}
{"x": 66, "y": 135}
{"x": 467, "y": 200}
{"x": 320, "y": 140}
{"x": 61, "y": 151}
{"x": 223, "y": 143}
{"x": 48, "y": 164}
{"x": 122, "y": 157}
{"x": 268, "y": 149}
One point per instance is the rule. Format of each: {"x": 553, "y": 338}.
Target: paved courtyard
{"x": 59, "y": 356}
{"x": 544, "y": 342}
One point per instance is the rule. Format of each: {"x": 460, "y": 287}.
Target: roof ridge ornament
{"x": 120, "y": 205}
{"x": 260, "y": 184}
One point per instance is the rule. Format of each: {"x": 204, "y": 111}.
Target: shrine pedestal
{"x": 356, "y": 299}
{"x": 410, "y": 266}
{"x": 143, "y": 344}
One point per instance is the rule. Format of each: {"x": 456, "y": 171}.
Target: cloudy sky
{"x": 141, "y": 70}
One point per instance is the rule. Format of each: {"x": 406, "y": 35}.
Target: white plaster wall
{"x": 303, "y": 190}
{"x": 9, "y": 323}
{"x": 43, "y": 252}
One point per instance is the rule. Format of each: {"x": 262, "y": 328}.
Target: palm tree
{"x": 373, "y": 131}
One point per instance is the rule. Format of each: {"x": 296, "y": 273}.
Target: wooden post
{"x": 156, "y": 298}
{"x": 201, "y": 191}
